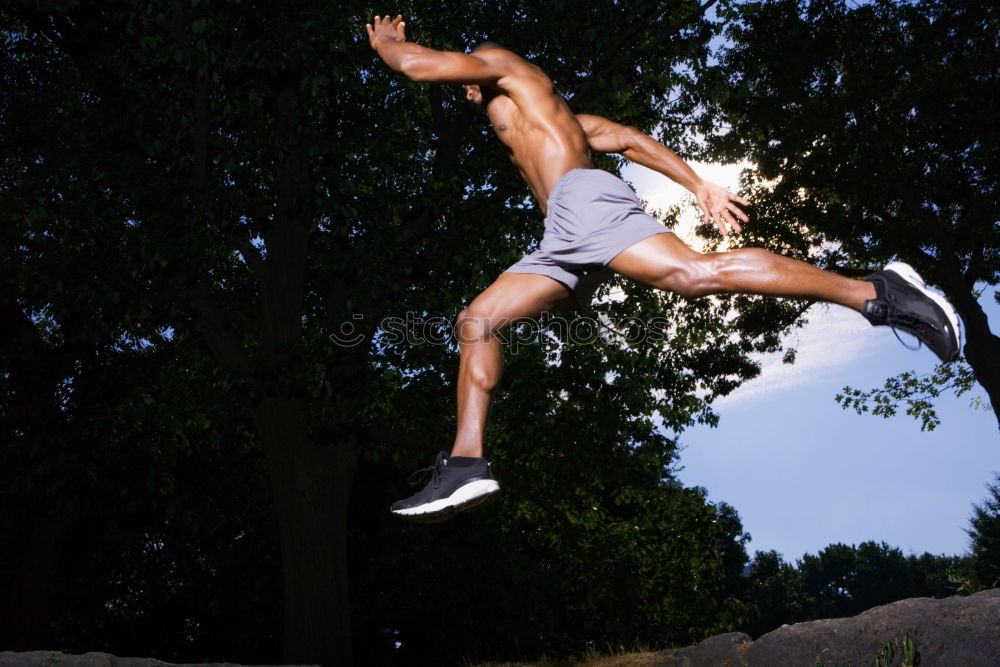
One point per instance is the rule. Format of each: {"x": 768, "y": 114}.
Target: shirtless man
{"x": 593, "y": 220}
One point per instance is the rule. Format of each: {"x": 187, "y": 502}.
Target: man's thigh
{"x": 655, "y": 260}
{"x": 517, "y": 296}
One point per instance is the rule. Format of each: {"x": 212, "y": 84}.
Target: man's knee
{"x": 475, "y": 325}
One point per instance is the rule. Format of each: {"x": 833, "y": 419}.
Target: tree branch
{"x": 626, "y": 56}
{"x": 225, "y": 345}
{"x": 199, "y": 129}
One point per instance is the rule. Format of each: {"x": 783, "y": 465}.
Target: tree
{"x": 774, "y": 592}
{"x": 77, "y": 329}
{"x": 984, "y": 539}
{"x": 245, "y": 185}
{"x": 871, "y": 130}
{"x": 840, "y": 580}
{"x": 846, "y": 580}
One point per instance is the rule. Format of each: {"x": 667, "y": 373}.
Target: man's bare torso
{"x": 544, "y": 137}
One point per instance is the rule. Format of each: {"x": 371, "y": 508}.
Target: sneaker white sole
{"x": 465, "y": 497}
{"x": 909, "y": 274}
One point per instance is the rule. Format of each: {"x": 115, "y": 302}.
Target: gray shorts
{"x": 592, "y": 216}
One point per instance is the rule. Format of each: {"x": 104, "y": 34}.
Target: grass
{"x": 640, "y": 659}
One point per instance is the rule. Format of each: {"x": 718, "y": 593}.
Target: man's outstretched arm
{"x": 419, "y": 63}
{"x": 717, "y": 204}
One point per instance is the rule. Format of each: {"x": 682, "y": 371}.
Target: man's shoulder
{"x": 515, "y": 72}
{"x": 505, "y": 60}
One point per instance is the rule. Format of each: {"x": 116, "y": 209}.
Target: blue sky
{"x": 803, "y": 473}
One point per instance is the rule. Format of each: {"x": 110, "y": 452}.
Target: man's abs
{"x": 546, "y": 152}
{"x": 544, "y": 166}
{"x": 545, "y": 139}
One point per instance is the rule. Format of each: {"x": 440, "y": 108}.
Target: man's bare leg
{"x": 665, "y": 262}
{"x": 462, "y": 480}
{"x": 512, "y": 297}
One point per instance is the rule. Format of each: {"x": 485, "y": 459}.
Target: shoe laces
{"x": 909, "y": 323}
{"x": 435, "y": 471}
{"x": 912, "y": 348}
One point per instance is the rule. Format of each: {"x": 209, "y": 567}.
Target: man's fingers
{"x": 724, "y": 214}
{"x": 734, "y": 221}
{"x": 400, "y": 26}
{"x": 725, "y": 222}
{"x": 739, "y": 213}
{"x": 739, "y": 199}
{"x": 380, "y": 23}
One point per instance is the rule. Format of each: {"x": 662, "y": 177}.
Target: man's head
{"x": 488, "y": 44}
{"x": 479, "y": 94}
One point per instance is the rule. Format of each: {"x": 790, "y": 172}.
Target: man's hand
{"x": 719, "y": 206}
{"x": 386, "y": 29}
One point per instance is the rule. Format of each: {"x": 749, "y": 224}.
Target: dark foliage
{"x": 840, "y": 581}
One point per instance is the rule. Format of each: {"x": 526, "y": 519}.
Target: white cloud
{"x": 833, "y": 338}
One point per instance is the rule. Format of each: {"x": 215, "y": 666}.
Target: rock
{"x": 58, "y": 659}
{"x": 954, "y": 632}
{"x": 717, "y": 650}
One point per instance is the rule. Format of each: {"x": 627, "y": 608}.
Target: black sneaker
{"x": 903, "y": 302}
{"x": 457, "y": 484}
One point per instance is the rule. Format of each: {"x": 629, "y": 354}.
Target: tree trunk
{"x": 310, "y": 485}
{"x": 982, "y": 347}
{"x": 26, "y": 613}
